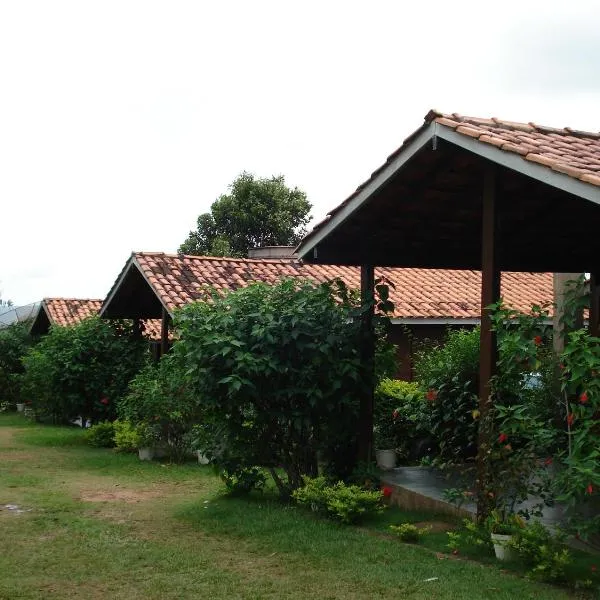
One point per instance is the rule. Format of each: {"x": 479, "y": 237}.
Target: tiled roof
{"x": 70, "y": 311}
{"x": 417, "y": 293}
{"x": 575, "y": 153}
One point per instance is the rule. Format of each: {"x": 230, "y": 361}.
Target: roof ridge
{"x": 216, "y": 258}
{"x": 71, "y": 299}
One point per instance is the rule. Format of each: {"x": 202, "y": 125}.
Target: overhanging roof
{"x": 150, "y": 281}
{"x": 422, "y": 208}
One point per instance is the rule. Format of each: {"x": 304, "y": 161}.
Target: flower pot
{"x": 201, "y": 458}
{"x": 501, "y": 548}
{"x": 386, "y": 459}
{"x": 20, "y": 407}
{"x": 146, "y": 453}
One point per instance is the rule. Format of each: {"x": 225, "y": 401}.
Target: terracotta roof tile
{"x": 416, "y": 293}
{"x": 575, "y": 153}
{"x": 65, "y": 312}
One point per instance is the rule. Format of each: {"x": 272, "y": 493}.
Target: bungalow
{"x": 152, "y": 285}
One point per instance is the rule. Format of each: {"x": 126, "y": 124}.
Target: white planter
{"x": 20, "y": 407}
{"x": 146, "y": 453}
{"x": 386, "y": 459}
{"x": 201, "y": 458}
{"x": 501, "y": 548}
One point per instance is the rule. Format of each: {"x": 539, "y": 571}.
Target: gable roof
{"x": 418, "y": 294}
{"x": 565, "y": 159}
{"x": 65, "y": 312}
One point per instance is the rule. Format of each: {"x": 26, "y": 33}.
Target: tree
{"x": 256, "y": 212}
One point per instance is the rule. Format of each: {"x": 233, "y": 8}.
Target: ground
{"x": 96, "y": 524}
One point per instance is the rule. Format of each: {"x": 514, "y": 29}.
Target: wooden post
{"x": 594, "y": 322}
{"x": 164, "y": 332}
{"x": 367, "y": 294}
{"x": 490, "y": 293}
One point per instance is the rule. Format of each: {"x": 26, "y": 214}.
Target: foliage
{"x": 158, "y": 396}
{"x": 242, "y": 481}
{"x": 449, "y": 372}
{"x": 277, "y": 373}
{"x": 101, "y": 435}
{"x": 256, "y": 212}
{"x": 83, "y": 370}
{"x": 541, "y": 551}
{"x": 341, "y": 502}
{"x": 504, "y": 524}
{"x": 399, "y": 414}
{"x": 471, "y": 535}
{"x": 367, "y": 475}
{"x": 127, "y": 436}
{"x": 409, "y": 533}
{"x": 15, "y": 341}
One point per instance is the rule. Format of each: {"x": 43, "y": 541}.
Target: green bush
{"x": 15, "y": 341}
{"x": 340, "y": 502}
{"x": 399, "y": 415}
{"x": 158, "y": 396}
{"x": 83, "y": 370}
{"x": 243, "y": 480}
{"x": 449, "y": 374}
{"x": 408, "y": 532}
{"x": 101, "y": 435}
{"x": 276, "y": 371}
{"x": 127, "y": 436}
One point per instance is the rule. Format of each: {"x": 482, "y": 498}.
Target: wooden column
{"x": 367, "y": 293}
{"x": 164, "y": 332}
{"x": 490, "y": 293}
{"x": 594, "y": 322}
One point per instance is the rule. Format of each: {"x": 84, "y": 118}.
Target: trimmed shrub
{"x": 101, "y": 435}
{"x": 15, "y": 341}
{"x": 340, "y": 502}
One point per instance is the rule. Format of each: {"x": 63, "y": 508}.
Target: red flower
{"x": 386, "y": 491}
{"x": 431, "y": 395}
{"x": 537, "y": 340}
{"x": 583, "y": 398}
{"x": 548, "y": 461}
{"x": 589, "y": 489}
{"x": 104, "y": 401}
{"x": 395, "y": 414}
{"x": 570, "y": 419}
{"x": 502, "y": 438}
{"x": 561, "y": 367}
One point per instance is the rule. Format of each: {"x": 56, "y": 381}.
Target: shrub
{"x": 399, "y": 415}
{"x": 127, "y": 436}
{"x": 15, "y": 341}
{"x": 158, "y": 396}
{"x": 83, "y": 370}
{"x": 340, "y": 502}
{"x": 409, "y": 533}
{"x": 277, "y": 372}
{"x": 101, "y": 435}
{"x": 449, "y": 373}
{"x": 243, "y": 480}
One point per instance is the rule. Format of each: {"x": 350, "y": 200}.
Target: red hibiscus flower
{"x": 386, "y": 491}
{"x": 431, "y": 395}
{"x": 104, "y": 401}
{"x": 537, "y": 340}
{"x": 583, "y": 398}
{"x": 589, "y": 489}
{"x": 502, "y": 438}
{"x": 570, "y": 419}
{"x": 548, "y": 461}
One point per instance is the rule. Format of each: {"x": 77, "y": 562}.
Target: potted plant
{"x": 385, "y": 444}
{"x": 502, "y": 528}
{"x": 147, "y": 438}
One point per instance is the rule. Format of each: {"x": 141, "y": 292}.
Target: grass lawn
{"x": 102, "y": 525}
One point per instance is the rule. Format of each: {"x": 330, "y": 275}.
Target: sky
{"x": 122, "y": 121}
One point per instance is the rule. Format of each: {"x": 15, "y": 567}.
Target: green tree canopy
{"x": 256, "y": 212}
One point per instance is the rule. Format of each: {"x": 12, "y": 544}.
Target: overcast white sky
{"x": 121, "y": 122}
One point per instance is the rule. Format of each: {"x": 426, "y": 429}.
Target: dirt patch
{"x": 127, "y": 496}
{"x": 9, "y": 456}
{"x": 6, "y": 436}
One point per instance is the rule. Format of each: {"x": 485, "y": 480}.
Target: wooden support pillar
{"x": 367, "y": 294}
{"x": 490, "y": 293}
{"x": 164, "y": 332}
{"x": 594, "y": 322}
